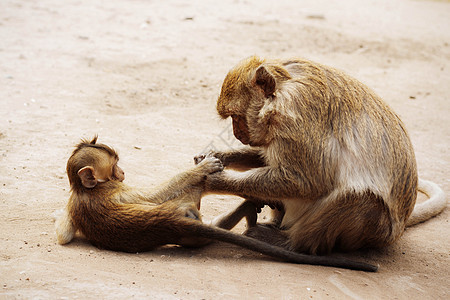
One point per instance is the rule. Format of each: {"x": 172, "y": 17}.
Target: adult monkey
{"x": 324, "y": 148}
{"x": 114, "y": 216}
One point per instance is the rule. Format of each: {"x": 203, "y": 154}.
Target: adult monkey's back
{"x": 326, "y": 149}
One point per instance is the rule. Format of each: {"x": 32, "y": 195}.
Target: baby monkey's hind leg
{"x": 189, "y": 202}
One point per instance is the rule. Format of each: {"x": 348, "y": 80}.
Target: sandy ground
{"x": 145, "y": 75}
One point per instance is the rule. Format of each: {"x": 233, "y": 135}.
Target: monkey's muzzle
{"x": 240, "y": 129}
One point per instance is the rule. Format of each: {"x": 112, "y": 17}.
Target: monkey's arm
{"x": 241, "y": 159}
{"x": 185, "y": 182}
{"x": 264, "y": 183}
{"x": 181, "y": 184}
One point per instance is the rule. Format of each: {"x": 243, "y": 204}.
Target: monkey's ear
{"x": 265, "y": 80}
{"x": 87, "y": 177}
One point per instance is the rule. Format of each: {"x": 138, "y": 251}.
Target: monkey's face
{"x": 248, "y": 97}
{"x": 96, "y": 166}
{"x": 108, "y": 167}
{"x": 92, "y": 163}
{"x": 252, "y": 136}
{"x": 240, "y": 129}
{"x": 117, "y": 173}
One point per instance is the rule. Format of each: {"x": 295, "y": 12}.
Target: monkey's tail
{"x": 436, "y": 203}
{"x": 281, "y": 253}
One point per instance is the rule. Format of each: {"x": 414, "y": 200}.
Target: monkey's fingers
{"x": 198, "y": 159}
{"x": 212, "y": 164}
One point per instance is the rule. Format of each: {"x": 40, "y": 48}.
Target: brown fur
{"x": 330, "y": 152}
{"x": 113, "y": 216}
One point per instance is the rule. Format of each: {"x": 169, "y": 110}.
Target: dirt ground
{"x": 145, "y": 76}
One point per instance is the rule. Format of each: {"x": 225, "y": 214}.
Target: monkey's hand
{"x": 209, "y": 164}
{"x": 199, "y": 158}
{"x": 239, "y": 159}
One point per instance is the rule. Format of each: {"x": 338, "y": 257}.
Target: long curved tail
{"x": 278, "y": 252}
{"x": 433, "y": 206}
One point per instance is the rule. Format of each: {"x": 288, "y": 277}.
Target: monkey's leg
{"x": 277, "y": 211}
{"x": 247, "y": 209}
{"x": 349, "y": 222}
{"x": 190, "y": 201}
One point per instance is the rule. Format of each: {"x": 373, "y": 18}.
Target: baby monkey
{"x": 113, "y": 216}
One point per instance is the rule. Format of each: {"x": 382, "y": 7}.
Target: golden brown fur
{"x": 113, "y": 216}
{"x": 324, "y": 147}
